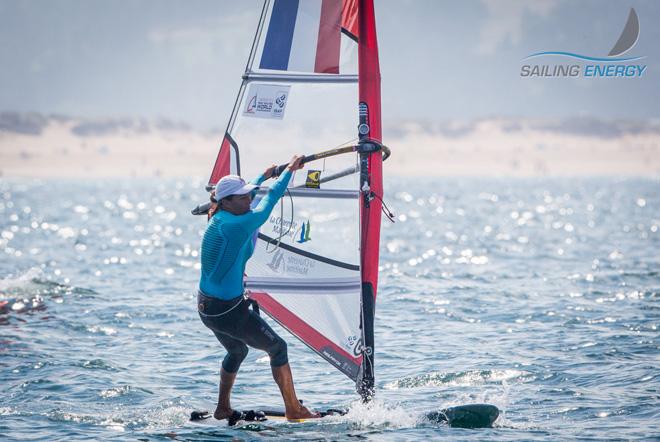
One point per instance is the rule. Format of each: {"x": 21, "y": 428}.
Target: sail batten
{"x": 301, "y": 78}
{"x": 309, "y": 287}
{"x": 303, "y": 192}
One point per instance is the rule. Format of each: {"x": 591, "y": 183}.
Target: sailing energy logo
{"x": 611, "y": 66}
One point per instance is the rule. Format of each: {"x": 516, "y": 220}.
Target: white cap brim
{"x": 225, "y": 192}
{"x": 245, "y": 189}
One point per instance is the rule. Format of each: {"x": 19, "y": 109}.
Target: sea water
{"x": 537, "y": 295}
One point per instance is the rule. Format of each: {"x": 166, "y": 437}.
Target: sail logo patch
{"x": 282, "y": 263}
{"x": 283, "y": 227}
{"x": 277, "y": 262}
{"x": 354, "y": 345}
{"x": 305, "y": 232}
{"x": 313, "y": 179}
{"x": 266, "y": 101}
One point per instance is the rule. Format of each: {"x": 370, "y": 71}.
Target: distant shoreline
{"x": 32, "y": 145}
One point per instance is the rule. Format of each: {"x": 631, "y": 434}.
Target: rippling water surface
{"x": 539, "y": 296}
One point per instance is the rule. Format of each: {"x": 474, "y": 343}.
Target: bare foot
{"x": 302, "y": 413}
{"x": 222, "y": 413}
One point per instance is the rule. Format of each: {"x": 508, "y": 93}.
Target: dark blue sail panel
{"x": 277, "y": 47}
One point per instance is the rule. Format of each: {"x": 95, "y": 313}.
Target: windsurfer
{"x": 227, "y": 245}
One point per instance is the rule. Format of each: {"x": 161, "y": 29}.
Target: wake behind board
{"x": 461, "y": 416}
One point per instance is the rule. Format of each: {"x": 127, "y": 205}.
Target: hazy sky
{"x": 440, "y": 60}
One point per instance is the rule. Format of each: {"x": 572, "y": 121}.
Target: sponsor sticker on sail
{"x": 266, "y": 101}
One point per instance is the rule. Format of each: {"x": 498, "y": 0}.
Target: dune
{"x": 33, "y": 145}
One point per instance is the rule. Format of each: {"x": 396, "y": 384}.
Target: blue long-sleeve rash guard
{"x": 228, "y": 243}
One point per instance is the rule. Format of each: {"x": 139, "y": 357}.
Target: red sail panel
{"x": 328, "y": 44}
{"x": 222, "y": 162}
{"x": 346, "y": 363}
{"x": 369, "y": 83}
{"x": 349, "y": 17}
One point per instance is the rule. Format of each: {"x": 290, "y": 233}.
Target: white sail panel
{"x": 316, "y": 117}
{"x": 335, "y": 315}
{"x": 305, "y": 37}
{"x": 306, "y": 261}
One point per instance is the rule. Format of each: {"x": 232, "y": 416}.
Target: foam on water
{"x": 379, "y": 414}
{"x": 468, "y": 378}
{"x": 20, "y": 281}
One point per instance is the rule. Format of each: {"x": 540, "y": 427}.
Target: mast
{"x": 371, "y": 185}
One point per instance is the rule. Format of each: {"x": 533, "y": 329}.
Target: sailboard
{"x": 460, "y": 416}
{"x": 312, "y": 82}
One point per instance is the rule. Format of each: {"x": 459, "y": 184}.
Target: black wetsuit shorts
{"x": 237, "y": 326}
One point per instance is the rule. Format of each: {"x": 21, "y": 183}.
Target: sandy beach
{"x": 73, "y": 147}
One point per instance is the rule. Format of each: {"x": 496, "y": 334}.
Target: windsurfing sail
{"x": 312, "y": 82}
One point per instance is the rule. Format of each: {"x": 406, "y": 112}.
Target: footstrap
{"x": 235, "y": 417}
{"x": 248, "y": 416}
{"x": 199, "y": 415}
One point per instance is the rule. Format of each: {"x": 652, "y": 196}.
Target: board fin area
{"x": 466, "y": 416}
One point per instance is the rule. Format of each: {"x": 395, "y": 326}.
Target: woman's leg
{"x": 258, "y": 334}
{"x": 236, "y": 352}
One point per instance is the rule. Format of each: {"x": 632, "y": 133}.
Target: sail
{"x": 315, "y": 264}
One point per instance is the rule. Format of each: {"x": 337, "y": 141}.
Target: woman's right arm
{"x": 260, "y": 214}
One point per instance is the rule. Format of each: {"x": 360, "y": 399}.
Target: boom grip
{"x": 280, "y": 169}
{"x": 317, "y": 156}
